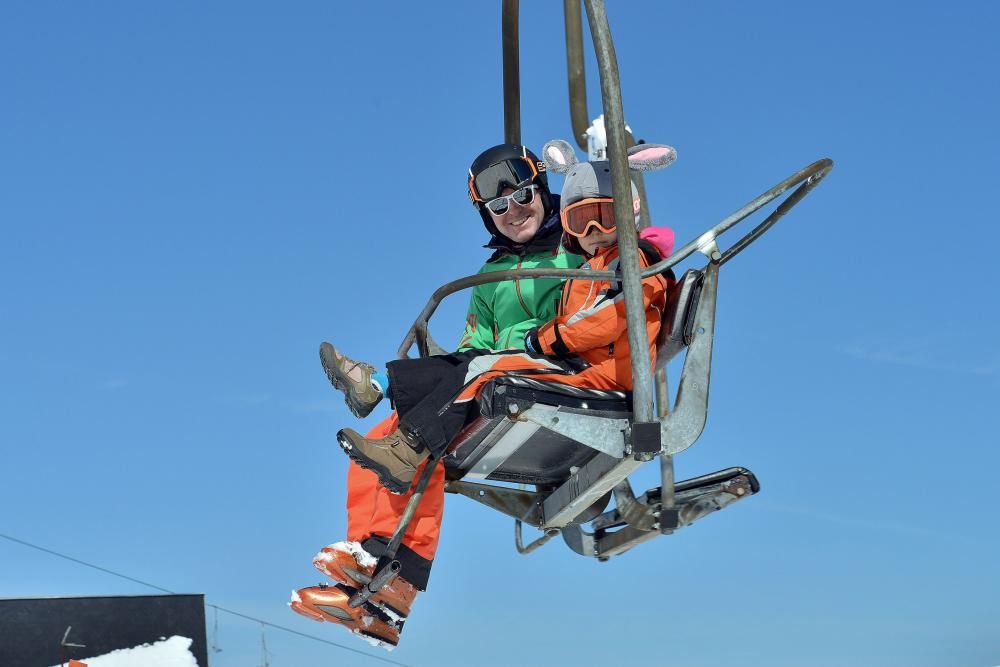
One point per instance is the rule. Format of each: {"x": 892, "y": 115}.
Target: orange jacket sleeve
{"x": 597, "y": 326}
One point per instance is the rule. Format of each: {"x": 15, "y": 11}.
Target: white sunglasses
{"x": 522, "y": 197}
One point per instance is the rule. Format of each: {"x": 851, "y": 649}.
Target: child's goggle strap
{"x": 580, "y": 218}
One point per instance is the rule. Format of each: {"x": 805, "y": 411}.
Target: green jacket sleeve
{"x": 479, "y": 323}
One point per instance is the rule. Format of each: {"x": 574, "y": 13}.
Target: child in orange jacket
{"x": 433, "y": 395}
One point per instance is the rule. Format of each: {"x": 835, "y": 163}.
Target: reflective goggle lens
{"x": 579, "y": 218}
{"x": 501, "y": 205}
{"x": 488, "y": 183}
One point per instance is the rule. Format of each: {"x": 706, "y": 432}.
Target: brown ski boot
{"x": 354, "y": 378}
{"x": 393, "y": 458}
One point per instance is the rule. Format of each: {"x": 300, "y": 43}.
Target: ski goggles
{"x": 512, "y": 173}
{"x": 522, "y": 197}
{"x": 580, "y": 218}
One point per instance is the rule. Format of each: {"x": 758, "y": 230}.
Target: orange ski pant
{"x": 372, "y": 510}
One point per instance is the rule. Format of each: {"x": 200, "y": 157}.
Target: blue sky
{"x": 195, "y": 195}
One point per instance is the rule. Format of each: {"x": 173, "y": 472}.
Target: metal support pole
{"x": 575, "y": 69}
{"x": 541, "y": 541}
{"x": 511, "y": 73}
{"x": 614, "y": 123}
{"x": 668, "y": 513}
{"x": 662, "y": 394}
{"x": 667, "y": 501}
{"x": 578, "y": 95}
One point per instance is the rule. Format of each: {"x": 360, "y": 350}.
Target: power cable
{"x": 214, "y": 606}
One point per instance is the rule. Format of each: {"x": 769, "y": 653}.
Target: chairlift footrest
{"x": 693, "y": 500}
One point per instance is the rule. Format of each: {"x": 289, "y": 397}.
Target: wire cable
{"x": 207, "y": 604}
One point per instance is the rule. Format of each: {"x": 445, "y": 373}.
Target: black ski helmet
{"x": 505, "y": 165}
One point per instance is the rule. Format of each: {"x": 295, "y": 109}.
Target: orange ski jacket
{"x": 591, "y": 320}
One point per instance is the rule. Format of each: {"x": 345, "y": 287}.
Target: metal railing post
{"x": 667, "y": 493}
{"x": 577, "y": 75}
{"x": 614, "y": 124}
{"x": 511, "y": 73}
{"x": 578, "y": 95}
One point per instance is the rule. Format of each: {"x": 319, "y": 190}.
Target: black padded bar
{"x": 678, "y": 318}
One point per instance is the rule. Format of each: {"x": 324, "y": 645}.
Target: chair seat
{"x": 523, "y": 391}
{"x": 495, "y": 447}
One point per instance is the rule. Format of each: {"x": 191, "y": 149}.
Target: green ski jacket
{"x": 501, "y": 313}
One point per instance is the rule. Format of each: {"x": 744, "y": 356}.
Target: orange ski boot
{"x": 331, "y": 604}
{"x": 350, "y": 564}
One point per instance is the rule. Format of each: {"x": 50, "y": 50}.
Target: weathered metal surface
{"x": 621, "y": 186}
{"x": 806, "y": 178}
{"x": 586, "y": 485}
{"x": 506, "y": 446}
{"x": 576, "y": 75}
{"x": 519, "y": 544}
{"x": 604, "y": 435}
{"x": 633, "y": 511}
{"x": 684, "y": 425}
{"x": 511, "y": 72}
{"x": 577, "y": 79}
{"x": 693, "y": 504}
{"x": 517, "y": 503}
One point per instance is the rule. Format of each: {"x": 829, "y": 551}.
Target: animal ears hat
{"x": 593, "y": 179}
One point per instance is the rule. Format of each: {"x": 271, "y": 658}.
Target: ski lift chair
{"x": 577, "y": 446}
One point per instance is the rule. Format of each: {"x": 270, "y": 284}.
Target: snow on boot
{"x": 360, "y": 394}
{"x": 331, "y": 604}
{"x": 393, "y": 458}
{"x": 349, "y": 563}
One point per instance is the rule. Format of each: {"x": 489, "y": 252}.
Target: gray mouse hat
{"x": 585, "y": 180}
{"x": 593, "y": 179}
{"x": 589, "y": 179}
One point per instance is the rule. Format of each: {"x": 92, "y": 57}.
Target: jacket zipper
{"x": 517, "y": 288}
{"x": 565, "y": 297}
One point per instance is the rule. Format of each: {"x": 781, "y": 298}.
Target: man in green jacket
{"x": 524, "y": 233}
